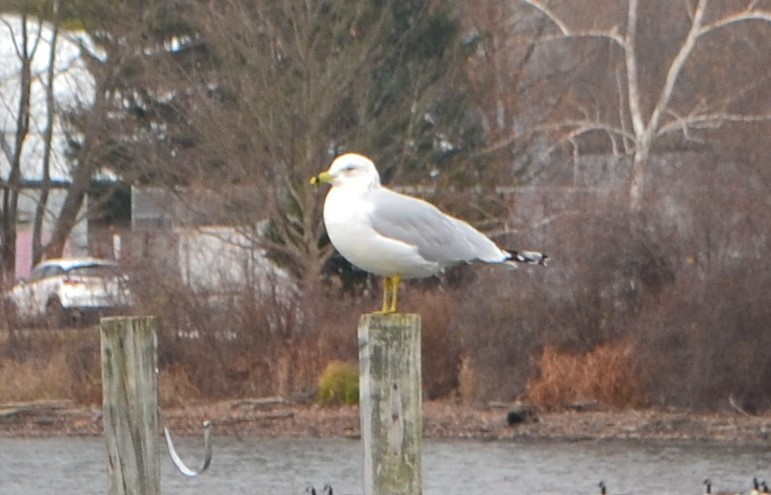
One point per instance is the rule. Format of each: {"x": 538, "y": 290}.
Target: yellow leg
{"x": 395, "y": 281}
{"x": 390, "y": 295}
{"x": 386, "y": 294}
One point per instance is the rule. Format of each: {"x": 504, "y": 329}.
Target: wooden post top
{"x": 391, "y": 320}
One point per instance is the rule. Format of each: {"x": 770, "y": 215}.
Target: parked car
{"x": 61, "y": 292}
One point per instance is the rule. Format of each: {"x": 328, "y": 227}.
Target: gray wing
{"x": 439, "y": 237}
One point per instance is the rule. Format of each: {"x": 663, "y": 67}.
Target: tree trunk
{"x": 637, "y": 182}
{"x": 82, "y": 173}
{"x": 11, "y": 196}
{"x": 45, "y": 185}
{"x": 10, "y": 208}
{"x": 68, "y": 215}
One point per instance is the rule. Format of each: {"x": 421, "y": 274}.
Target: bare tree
{"x": 24, "y": 46}
{"x": 43, "y": 115}
{"x": 650, "y": 111}
{"x": 48, "y": 134}
{"x": 511, "y": 94}
{"x": 258, "y": 96}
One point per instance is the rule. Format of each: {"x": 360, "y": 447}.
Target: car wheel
{"x": 56, "y": 315}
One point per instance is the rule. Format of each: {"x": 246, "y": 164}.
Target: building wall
{"x": 77, "y": 245}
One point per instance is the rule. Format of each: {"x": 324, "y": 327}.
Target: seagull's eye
{"x": 348, "y": 169}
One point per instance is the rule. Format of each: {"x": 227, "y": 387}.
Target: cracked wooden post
{"x": 130, "y": 403}
{"x": 390, "y": 403}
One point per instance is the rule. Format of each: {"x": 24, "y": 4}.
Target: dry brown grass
{"x": 467, "y": 386}
{"x": 34, "y": 380}
{"x": 41, "y": 365}
{"x": 60, "y": 378}
{"x": 175, "y": 387}
{"x": 65, "y": 365}
{"x": 45, "y": 379}
{"x": 605, "y": 374}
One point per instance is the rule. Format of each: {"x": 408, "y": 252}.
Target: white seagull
{"x": 396, "y": 236}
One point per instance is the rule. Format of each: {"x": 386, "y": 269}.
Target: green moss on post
{"x": 391, "y": 403}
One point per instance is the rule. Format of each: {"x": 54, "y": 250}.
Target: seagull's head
{"x": 350, "y": 170}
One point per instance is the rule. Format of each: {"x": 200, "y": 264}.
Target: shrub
{"x": 496, "y": 325}
{"x": 43, "y": 365}
{"x": 705, "y": 343}
{"x": 339, "y": 384}
{"x": 440, "y": 345}
{"x": 606, "y": 374}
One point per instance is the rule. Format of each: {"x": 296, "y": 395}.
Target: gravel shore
{"x": 441, "y": 419}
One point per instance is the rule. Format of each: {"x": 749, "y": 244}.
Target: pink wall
{"x": 24, "y": 251}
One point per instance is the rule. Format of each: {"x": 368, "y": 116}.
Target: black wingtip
{"x": 529, "y": 257}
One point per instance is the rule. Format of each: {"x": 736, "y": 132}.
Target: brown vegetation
{"x": 606, "y": 374}
{"x": 38, "y": 364}
{"x": 670, "y": 311}
{"x": 666, "y": 304}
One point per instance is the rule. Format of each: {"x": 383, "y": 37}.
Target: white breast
{"x": 347, "y": 215}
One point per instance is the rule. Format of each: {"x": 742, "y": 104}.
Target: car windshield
{"x": 94, "y": 271}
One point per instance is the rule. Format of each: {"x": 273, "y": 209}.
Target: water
{"x": 76, "y": 466}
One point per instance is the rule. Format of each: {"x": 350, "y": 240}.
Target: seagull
{"x": 396, "y": 236}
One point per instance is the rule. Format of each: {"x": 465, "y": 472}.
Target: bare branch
{"x": 689, "y": 9}
{"x": 677, "y": 66}
{"x": 578, "y": 127}
{"x": 622, "y": 111}
{"x": 499, "y": 144}
{"x": 5, "y": 146}
{"x": 709, "y": 121}
{"x": 735, "y": 405}
{"x": 548, "y": 13}
{"x": 591, "y": 33}
{"x": 566, "y": 32}
{"x": 746, "y": 15}
{"x": 633, "y": 80}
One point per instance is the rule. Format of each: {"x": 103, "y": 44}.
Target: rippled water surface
{"x": 286, "y": 466}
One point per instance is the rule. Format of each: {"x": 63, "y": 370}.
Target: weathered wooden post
{"x": 390, "y": 403}
{"x": 130, "y": 403}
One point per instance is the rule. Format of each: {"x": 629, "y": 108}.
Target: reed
{"x": 606, "y": 374}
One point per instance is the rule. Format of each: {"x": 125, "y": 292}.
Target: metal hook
{"x": 206, "y": 445}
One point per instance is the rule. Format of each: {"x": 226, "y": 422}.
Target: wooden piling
{"x": 130, "y": 402}
{"x": 390, "y": 403}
